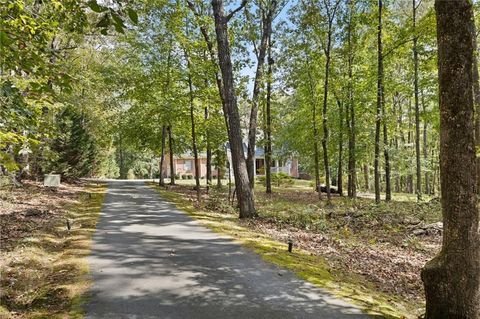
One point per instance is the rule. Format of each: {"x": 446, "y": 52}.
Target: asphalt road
{"x": 150, "y": 260}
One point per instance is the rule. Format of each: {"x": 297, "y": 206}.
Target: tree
{"x": 330, "y": 11}
{"x": 418, "y": 190}
{"x": 350, "y": 109}
{"x": 243, "y": 189}
{"x": 161, "y": 178}
{"x": 268, "y": 121}
{"x": 452, "y": 278}
{"x": 380, "y": 97}
{"x": 267, "y": 12}
{"x": 192, "y": 123}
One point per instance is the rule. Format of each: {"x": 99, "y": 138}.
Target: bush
{"x": 184, "y": 176}
{"x": 189, "y": 176}
{"x": 261, "y": 179}
{"x": 311, "y": 217}
{"x": 217, "y": 203}
{"x": 278, "y": 179}
{"x": 282, "y": 179}
{"x": 177, "y": 176}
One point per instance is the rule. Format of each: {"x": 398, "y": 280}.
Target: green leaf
{"x": 104, "y": 22}
{"x": 118, "y": 20}
{"x": 132, "y": 14}
{"x": 4, "y": 39}
{"x": 118, "y": 28}
{"x": 92, "y": 4}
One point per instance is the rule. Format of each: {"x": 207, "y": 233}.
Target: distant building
{"x": 184, "y": 165}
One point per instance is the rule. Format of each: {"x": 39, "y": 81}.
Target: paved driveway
{"x": 150, "y": 260}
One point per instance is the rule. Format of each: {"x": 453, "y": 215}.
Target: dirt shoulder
{"x": 42, "y": 263}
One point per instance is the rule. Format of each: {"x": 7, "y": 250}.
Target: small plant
{"x": 261, "y": 179}
{"x": 217, "y": 203}
{"x": 282, "y": 179}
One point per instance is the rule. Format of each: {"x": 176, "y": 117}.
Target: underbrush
{"x": 43, "y": 269}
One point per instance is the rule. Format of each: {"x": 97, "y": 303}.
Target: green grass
{"x": 45, "y": 275}
{"x": 306, "y": 265}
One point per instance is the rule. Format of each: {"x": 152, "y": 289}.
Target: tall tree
{"x": 418, "y": 188}
{"x": 330, "y": 11}
{"x": 161, "y": 178}
{"x": 209, "y": 149}
{"x": 340, "y": 148}
{"x": 268, "y": 118}
{"x": 170, "y": 147}
{"x": 386, "y": 153}
{"x": 350, "y": 109}
{"x": 314, "y": 121}
{"x": 192, "y": 123}
{"x": 267, "y": 11}
{"x": 242, "y": 185}
{"x": 452, "y": 278}
{"x": 378, "y": 119}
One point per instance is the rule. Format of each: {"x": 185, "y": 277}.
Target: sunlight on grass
{"x": 45, "y": 275}
{"x": 308, "y": 266}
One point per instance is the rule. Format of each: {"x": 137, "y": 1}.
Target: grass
{"x": 45, "y": 274}
{"x": 306, "y": 265}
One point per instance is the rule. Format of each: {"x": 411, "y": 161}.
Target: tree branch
{"x": 240, "y": 7}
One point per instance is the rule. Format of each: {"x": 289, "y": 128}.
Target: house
{"x": 184, "y": 165}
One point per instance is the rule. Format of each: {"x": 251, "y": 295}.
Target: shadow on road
{"x": 151, "y": 261}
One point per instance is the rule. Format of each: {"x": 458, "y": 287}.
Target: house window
{"x": 188, "y": 165}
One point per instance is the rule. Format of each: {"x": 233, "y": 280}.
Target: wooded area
{"x": 374, "y": 98}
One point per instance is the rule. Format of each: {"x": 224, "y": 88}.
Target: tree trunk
{"x": 252, "y": 131}
{"x": 396, "y": 142}
{"x": 388, "y": 186}
{"x": 425, "y": 146}
{"x": 194, "y": 136}
{"x": 452, "y": 278}
{"x": 378, "y": 118}
{"x": 418, "y": 189}
{"x": 244, "y": 191}
{"x": 123, "y": 174}
{"x": 316, "y": 156}
{"x": 366, "y": 177}
{"x": 219, "y": 160}
{"x": 170, "y": 146}
{"x": 340, "y": 150}
{"x": 161, "y": 181}
{"x": 209, "y": 151}
{"x": 326, "y": 163}
{"x": 410, "y": 188}
{"x": 268, "y": 149}
{"x": 476, "y": 101}
{"x": 352, "y": 170}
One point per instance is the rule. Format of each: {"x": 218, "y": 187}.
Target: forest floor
{"x": 42, "y": 263}
{"x": 380, "y": 248}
